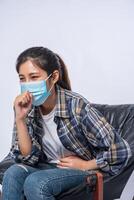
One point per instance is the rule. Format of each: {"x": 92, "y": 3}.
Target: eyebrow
{"x": 33, "y": 73}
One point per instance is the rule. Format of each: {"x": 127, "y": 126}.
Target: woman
{"x": 58, "y": 128}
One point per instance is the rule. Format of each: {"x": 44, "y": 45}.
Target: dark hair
{"x": 46, "y": 60}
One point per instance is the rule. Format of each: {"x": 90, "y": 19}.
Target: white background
{"x": 95, "y": 38}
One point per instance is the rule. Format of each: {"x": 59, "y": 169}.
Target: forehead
{"x": 29, "y": 67}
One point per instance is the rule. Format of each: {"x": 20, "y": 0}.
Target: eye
{"x": 22, "y": 79}
{"x": 34, "y": 77}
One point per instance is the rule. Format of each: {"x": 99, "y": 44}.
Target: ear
{"x": 55, "y": 76}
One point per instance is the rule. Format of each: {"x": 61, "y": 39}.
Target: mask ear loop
{"x": 52, "y": 85}
{"x": 48, "y": 77}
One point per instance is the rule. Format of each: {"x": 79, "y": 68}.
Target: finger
{"x": 60, "y": 164}
{"x": 25, "y": 100}
{"x": 23, "y": 103}
{"x": 30, "y": 96}
{"x": 65, "y": 160}
{"x": 62, "y": 167}
{"x": 23, "y": 97}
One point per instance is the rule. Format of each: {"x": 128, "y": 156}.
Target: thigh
{"x": 53, "y": 181}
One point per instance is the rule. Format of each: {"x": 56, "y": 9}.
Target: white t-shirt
{"x": 52, "y": 145}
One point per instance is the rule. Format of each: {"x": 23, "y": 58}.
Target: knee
{"x": 35, "y": 187}
{"x": 31, "y": 187}
{"x": 13, "y": 173}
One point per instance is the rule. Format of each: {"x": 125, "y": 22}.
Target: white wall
{"x": 95, "y": 38}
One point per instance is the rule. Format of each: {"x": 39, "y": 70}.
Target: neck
{"x": 50, "y": 103}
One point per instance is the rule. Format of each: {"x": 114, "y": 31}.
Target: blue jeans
{"x": 39, "y": 183}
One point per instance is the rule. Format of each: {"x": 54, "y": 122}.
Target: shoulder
{"x": 76, "y": 101}
{"x": 69, "y": 102}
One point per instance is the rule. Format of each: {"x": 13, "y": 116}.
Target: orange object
{"x": 98, "y": 193}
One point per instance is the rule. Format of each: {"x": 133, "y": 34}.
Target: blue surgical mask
{"x": 38, "y": 89}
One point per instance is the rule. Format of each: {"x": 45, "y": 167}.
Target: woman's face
{"x": 28, "y": 72}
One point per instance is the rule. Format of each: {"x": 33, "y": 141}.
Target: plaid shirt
{"x": 81, "y": 129}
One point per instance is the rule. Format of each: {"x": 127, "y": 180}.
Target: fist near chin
{"x": 22, "y": 105}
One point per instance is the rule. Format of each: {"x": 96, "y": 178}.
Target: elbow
{"x": 24, "y": 154}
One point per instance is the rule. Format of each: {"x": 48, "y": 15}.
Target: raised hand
{"x": 22, "y": 105}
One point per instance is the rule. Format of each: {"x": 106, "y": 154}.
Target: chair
{"x": 121, "y": 117}
{"x": 128, "y": 192}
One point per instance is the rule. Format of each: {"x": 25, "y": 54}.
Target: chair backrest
{"x": 121, "y": 117}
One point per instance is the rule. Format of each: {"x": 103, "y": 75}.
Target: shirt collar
{"x": 61, "y": 105}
